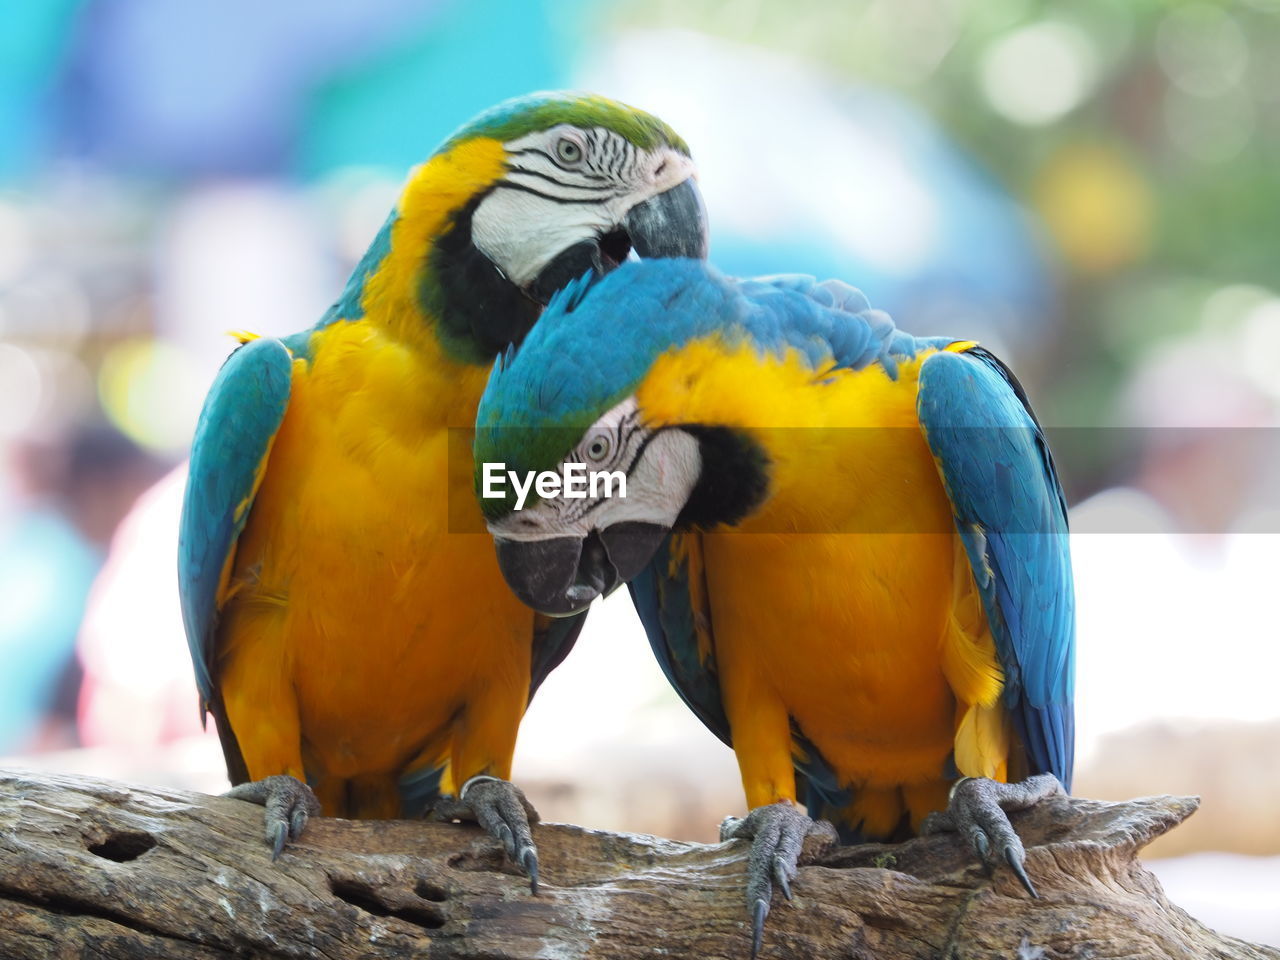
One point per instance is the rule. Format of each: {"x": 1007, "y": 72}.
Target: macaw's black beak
{"x": 560, "y": 576}
{"x": 671, "y": 224}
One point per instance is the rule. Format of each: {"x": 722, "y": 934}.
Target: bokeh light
{"x": 21, "y": 388}
{"x": 1202, "y": 49}
{"x": 1260, "y": 345}
{"x": 1210, "y": 129}
{"x": 1038, "y": 73}
{"x": 1096, "y": 205}
{"x": 150, "y": 390}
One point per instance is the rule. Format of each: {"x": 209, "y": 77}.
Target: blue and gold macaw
{"x": 847, "y": 544}
{"x": 345, "y": 636}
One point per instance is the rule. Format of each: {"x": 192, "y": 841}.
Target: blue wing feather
{"x": 241, "y": 416}
{"x": 1012, "y": 517}
{"x": 663, "y": 596}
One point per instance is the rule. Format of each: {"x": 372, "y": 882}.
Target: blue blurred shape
{"x": 32, "y": 36}
{"x": 810, "y": 173}
{"x": 393, "y": 110}
{"x": 243, "y": 87}
{"x": 213, "y": 86}
{"x": 46, "y": 570}
{"x": 973, "y": 267}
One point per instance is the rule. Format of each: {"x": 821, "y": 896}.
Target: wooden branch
{"x": 91, "y": 868}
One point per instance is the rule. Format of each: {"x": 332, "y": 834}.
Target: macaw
{"x": 847, "y": 545}
{"x": 356, "y": 645}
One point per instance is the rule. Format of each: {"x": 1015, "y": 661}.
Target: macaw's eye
{"x": 568, "y": 151}
{"x": 599, "y": 448}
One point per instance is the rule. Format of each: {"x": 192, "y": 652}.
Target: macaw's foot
{"x": 777, "y": 833}
{"x": 977, "y": 812}
{"x": 501, "y": 808}
{"x": 289, "y": 802}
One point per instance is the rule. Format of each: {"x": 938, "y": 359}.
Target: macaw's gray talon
{"x": 981, "y": 845}
{"x": 781, "y": 869}
{"x": 1019, "y": 870}
{"x": 276, "y": 835}
{"x": 758, "y": 913}
{"x": 777, "y": 832}
{"x": 978, "y": 809}
{"x": 289, "y": 804}
{"x": 529, "y": 861}
{"x": 501, "y": 809}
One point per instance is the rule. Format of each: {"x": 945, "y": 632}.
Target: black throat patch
{"x": 733, "y": 482}
{"x": 479, "y": 311}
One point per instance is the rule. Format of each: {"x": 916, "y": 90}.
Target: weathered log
{"x": 91, "y": 868}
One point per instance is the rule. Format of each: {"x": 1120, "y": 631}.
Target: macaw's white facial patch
{"x": 632, "y": 474}
{"x": 564, "y": 186}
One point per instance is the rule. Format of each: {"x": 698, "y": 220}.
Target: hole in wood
{"x": 123, "y": 846}
{"x": 431, "y": 891}
{"x": 484, "y": 860}
{"x": 365, "y": 897}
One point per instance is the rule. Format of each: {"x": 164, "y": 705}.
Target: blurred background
{"x": 1091, "y": 188}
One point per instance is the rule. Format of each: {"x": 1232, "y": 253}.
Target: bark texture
{"x": 92, "y": 868}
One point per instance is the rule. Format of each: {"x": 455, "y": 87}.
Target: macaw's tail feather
{"x": 874, "y": 816}
{"x": 376, "y": 796}
{"x": 879, "y": 815}
{"x": 421, "y": 788}
{"x": 237, "y": 770}
{"x": 844, "y": 807}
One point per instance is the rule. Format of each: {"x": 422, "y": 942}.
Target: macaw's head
{"x": 589, "y": 448}
{"x": 532, "y": 194}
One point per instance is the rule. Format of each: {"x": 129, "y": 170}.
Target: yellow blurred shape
{"x": 1096, "y": 205}
{"x": 150, "y": 390}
